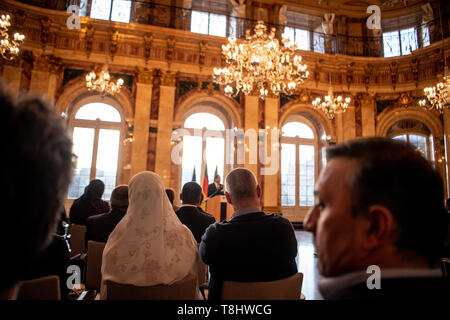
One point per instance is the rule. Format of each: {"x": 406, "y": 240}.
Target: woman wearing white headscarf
{"x": 150, "y": 245}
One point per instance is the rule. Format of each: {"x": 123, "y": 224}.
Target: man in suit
{"x": 379, "y": 223}
{"x": 252, "y": 245}
{"x": 99, "y": 227}
{"x": 215, "y": 188}
{"x": 190, "y": 214}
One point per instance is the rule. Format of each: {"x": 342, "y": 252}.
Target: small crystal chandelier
{"x": 438, "y": 96}
{"x": 260, "y": 62}
{"x": 9, "y": 48}
{"x": 103, "y": 82}
{"x": 331, "y": 105}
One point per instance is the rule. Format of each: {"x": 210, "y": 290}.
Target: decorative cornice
{"x": 144, "y": 75}
{"x": 168, "y": 78}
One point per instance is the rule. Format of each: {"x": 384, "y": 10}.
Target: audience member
{"x": 53, "y": 261}
{"x": 99, "y": 227}
{"x": 150, "y": 245}
{"x": 89, "y": 204}
{"x": 215, "y": 188}
{"x": 379, "y": 203}
{"x": 190, "y": 213}
{"x": 252, "y": 246}
{"x": 171, "y": 195}
{"x": 37, "y": 163}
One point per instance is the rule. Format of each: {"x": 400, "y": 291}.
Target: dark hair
{"x": 37, "y": 162}
{"x": 391, "y": 173}
{"x": 191, "y": 193}
{"x": 216, "y": 176}
{"x": 171, "y": 195}
{"x": 95, "y": 189}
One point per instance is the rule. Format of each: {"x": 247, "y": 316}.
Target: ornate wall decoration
{"x": 88, "y": 39}
{"x": 114, "y": 42}
{"x": 170, "y": 49}
{"x": 148, "y": 39}
{"x": 203, "y": 46}
{"x": 394, "y": 74}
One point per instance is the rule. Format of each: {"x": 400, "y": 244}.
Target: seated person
{"x": 37, "y": 163}
{"x": 171, "y": 195}
{"x": 149, "y": 246}
{"x": 252, "y": 245}
{"x": 99, "y": 227}
{"x": 89, "y": 204}
{"x": 215, "y": 188}
{"x": 190, "y": 214}
{"x": 379, "y": 203}
{"x": 53, "y": 261}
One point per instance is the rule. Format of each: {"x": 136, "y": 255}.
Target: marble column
{"x": 271, "y": 190}
{"x": 163, "y": 160}
{"x": 251, "y": 124}
{"x": 349, "y": 125}
{"x": 368, "y": 116}
{"x": 12, "y": 73}
{"x": 44, "y": 76}
{"x": 139, "y": 151}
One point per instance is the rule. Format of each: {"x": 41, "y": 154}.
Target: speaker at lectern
{"x": 219, "y": 208}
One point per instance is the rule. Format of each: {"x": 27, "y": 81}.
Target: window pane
{"x": 319, "y": 43}
{"x": 391, "y": 44}
{"x": 306, "y": 181}
{"x": 107, "y": 157}
{"x": 425, "y": 36}
{"x": 204, "y": 120}
{"x": 121, "y": 11}
{"x": 419, "y": 143}
{"x": 100, "y": 9}
{"x": 199, "y": 22}
{"x": 83, "y": 7}
{"x": 215, "y": 149}
{"x": 402, "y": 137}
{"x": 101, "y": 111}
{"x": 287, "y": 174}
{"x": 292, "y": 129}
{"x": 289, "y": 33}
{"x": 83, "y": 142}
{"x": 409, "y": 40}
{"x": 302, "y": 39}
{"x": 192, "y": 157}
{"x": 217, "y": 25}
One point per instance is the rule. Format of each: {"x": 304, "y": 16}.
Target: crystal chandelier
{"x": 438, "y": 96}
{"x": 261, "y": 63}
{"x": 9, "y": 48}
{"x": 331, "y": 105}
{"x": 103, "y": 82}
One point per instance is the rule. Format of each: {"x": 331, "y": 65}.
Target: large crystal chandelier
{"x": 102, "y": 82}
{"x": 9, "y": 48}
{"x": 438, "y": 96}
{"x": 261, "y": 63}
{"x": 331, "y": 105}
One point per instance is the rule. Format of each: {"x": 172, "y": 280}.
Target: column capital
{"x": 144, "y": 75}
{"x": 168, "y": 78}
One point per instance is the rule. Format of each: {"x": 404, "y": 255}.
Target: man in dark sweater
{"x": 190, "y": 214}
{"x": 99, "y": 227}
{"x": 252, "y": 246}
{"x": 379, "y": 223}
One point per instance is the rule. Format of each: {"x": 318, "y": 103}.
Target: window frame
{"x": 97, "y": 125}
{"x": 110, "y": 11}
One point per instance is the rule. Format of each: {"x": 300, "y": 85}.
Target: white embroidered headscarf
{"x": 150, "y": 245}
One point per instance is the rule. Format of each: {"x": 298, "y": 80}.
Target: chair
{"x": 284, "y": 289}
{"x": 185, "y": 289}
{"x": 94, "y": 265}
{"x": 45, "y": 288}
{"x": 445, "y": 264}
{"x": 77, "y": 243}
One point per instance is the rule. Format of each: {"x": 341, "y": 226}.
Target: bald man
{"x": 252, "y": 246}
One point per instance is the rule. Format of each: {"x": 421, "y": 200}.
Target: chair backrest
{"x": 94, "y": 265}
{"x": 77, "y": 243}
{"x": 45, "y": 288}
{"x": 445, "y": 263}
{"x": 284, "y": 289}
{"x": 185, "y": 289}
{"x": 202, "y": 271}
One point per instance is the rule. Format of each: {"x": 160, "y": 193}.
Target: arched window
{"x": 194, "y": 146}
{"x": 96, "y": 143}
{"x": 415, "y": 133}
{"x": 298, "y": 158}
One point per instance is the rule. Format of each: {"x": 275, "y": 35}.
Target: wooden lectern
{"x": 213, "y": 206}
